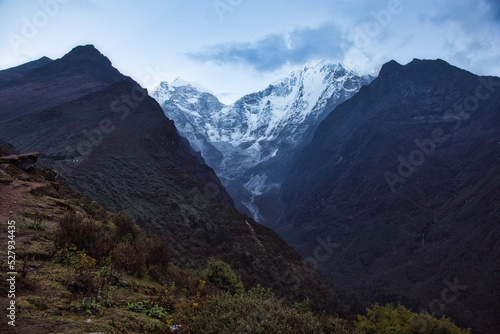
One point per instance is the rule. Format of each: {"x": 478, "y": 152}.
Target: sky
{"x": 235, "y": 47}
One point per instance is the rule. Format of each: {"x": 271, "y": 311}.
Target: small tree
{"x": 220, "y": 274}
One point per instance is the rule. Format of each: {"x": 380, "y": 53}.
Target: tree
{"x": 220, "y": 274}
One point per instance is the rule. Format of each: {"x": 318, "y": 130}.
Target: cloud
{"x": 373, "y": 32}
{"x": 276, "y": 50}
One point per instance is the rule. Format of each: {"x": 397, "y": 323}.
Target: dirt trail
{"x": 13, "y": 202}
{"x": 252, "y": 231}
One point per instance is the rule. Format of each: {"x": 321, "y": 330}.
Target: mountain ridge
{"x": 419, "y": 122}
{"x": 18, "y": 71}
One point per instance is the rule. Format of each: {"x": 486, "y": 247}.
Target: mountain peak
{"x": 430, "y": 64}
{"x": 390, "y": 67}
{"x": 178, "y": 82}
{"x": 314, "y": 64}
{"x": 166, "y": 90}
{"x": 86, "y": 53}
{"x": 84, "y": 49}
{"x": 252, "y": 141}
{"x": 44, "y": 59}
{"x": 422, "y": 69}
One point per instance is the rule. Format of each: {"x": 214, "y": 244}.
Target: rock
{"x": 25, "y": 177}
{"x": 24, "y": 161}
{"x": 50, "y": 174}
{"x": 4, "y": 173}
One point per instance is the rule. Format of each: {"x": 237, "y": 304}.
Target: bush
{"x": 220, "y": 274}
{"x": 157, "y": 252}
{"x": 151, "y": 309}
{"x": 126, "y": 258}
{"x": 130, "y": 248}
{"x": 390, "y": 319}
{"x": 89, "y": 306}
{"x": 258, "y": 311}
{"x": 36, "y": 225}
{"x": 89, "y": 279}
{"x": 85, "y": 235}
{"x": 126, "y": 229}
{"x": 75, "y": 230}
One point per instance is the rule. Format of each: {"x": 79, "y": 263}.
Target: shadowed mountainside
{"x": 21, "y": 70}
{"x": 404, "y": 178}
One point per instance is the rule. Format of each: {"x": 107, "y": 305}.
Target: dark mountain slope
{"x": 430, "y": 132}
{"x": 116, "y": 146}
{"x": 21, "y": 70}
{"x": 80, "y": 72}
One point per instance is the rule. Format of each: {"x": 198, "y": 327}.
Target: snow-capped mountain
{"x": 252, "y": 143}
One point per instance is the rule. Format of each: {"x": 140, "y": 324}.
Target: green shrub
{"x": 258, "y": 311}
{"x": 220, "y": 274}
{"x": 389, "y": 319}
{"x": 37, "y": 218}
{"x": 89, "y": 306}
{"x": 150, "y": 308}
{"x": 36, "y": 226}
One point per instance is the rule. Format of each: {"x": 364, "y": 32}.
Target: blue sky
{"x": 234, "y": 47}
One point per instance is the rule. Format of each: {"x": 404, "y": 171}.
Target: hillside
{"x": 81, "y": 268}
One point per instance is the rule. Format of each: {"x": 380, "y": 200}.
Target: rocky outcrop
{"x": 24, "y": 161}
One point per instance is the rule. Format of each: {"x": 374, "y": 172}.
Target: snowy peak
{"x": 253, "y": 142}
{"x": 178, "y": 82}
{"x": 303, "y": 94}
{"x": 165, "y": 90}
{"x": 281, "y": 112}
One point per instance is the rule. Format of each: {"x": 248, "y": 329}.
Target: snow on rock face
{"x": 166, "y": 90}
{"x": 259, "y": 127}
{"x": 287, "y": 103}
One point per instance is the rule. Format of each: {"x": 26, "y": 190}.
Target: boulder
{"x": 50, "y": 174}
{"x": 24, "y": 161}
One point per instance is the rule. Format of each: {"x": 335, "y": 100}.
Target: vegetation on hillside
{"x": 100, "y": 272}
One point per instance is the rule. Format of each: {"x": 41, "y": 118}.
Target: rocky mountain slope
{"x": 108, "y": 139}
{"x": 19, "y": 71}
{"x": 252, "y": 143}
{"x": 403, "y": 179}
